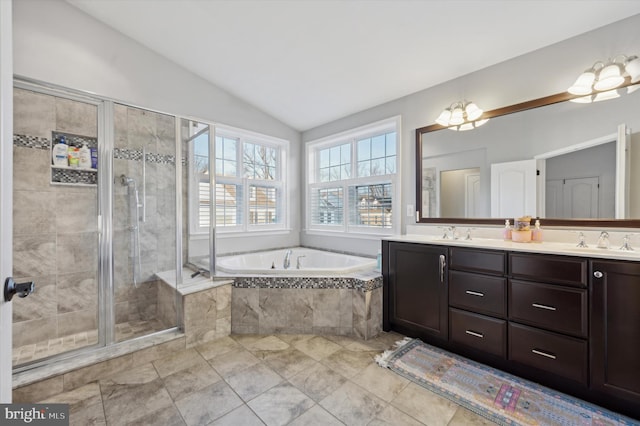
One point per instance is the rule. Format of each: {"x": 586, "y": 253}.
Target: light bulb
{"x": 609, "y": 78}
{"x": 473, "y": 112}
{"x": 633, "y": 69}
{"x": 457, "y": 116}
{"x": 444, "y": 117}
{"x": 584, "y": 83}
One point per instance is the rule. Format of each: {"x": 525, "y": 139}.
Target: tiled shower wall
{"x": 55, "y": 227}
{"x": 136, "y": 129}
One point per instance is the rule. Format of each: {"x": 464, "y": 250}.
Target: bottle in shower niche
{"x": 94, "y": 157}
{"x": 506, "y": 232}
{"x": 84, "y": 157}
{"x": 59, "y": 152}
{"x": 74, "y": 156}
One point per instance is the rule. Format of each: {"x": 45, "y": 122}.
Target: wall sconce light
{"x": 600, "y": 82}
{"x": 462, "y": 115}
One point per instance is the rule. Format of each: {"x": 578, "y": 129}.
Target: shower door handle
{"x": 21, "y": 289}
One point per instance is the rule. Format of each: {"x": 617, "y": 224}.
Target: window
{"x": 250, "y": 190}
{"x": 351, "y": 180}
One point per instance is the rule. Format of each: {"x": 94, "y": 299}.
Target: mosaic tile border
{"x": 74, "y": 176}
{"x": 308, "y": 283}
{"x": 76, "y": 140}
{"x": 36, "y": 142}
{"x": 136, "y": 155}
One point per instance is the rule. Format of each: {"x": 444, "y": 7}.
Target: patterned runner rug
{"x": 498, "y": 396}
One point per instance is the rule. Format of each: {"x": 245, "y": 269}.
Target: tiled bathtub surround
{"x": 206, "y": 307}
{"x": 342, "y": 306}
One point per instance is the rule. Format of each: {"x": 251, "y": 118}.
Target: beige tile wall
{"x": 306, "y": 311}
{"x": 136, "y": 129}
{"x": 55, "y": 227}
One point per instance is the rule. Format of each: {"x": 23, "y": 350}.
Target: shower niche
{"x": 75, "y": 175}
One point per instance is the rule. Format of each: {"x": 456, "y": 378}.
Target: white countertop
{"x": 566, "y": 249}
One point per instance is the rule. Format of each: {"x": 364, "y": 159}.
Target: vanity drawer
{"x": 479, "y": 293}
{"x": 478, "y": 331}
{"x": 555, "y": 269}
{"x": 558, "y": 354}
{"x": 474, "y": 260}
{"x": 550, "y": 306}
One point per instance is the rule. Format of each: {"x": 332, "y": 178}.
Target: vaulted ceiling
{"x": 309, "y": 62}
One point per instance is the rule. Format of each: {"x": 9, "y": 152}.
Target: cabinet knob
{"x": 597, "y": 274}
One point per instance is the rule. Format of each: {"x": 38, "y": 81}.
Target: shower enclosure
{"x": 198, "y": 210}
{"x": 93, "y": 240}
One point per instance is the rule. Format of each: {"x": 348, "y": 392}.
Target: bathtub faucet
{"x": 298, "y": 263}
{"x": 287, "y": 259}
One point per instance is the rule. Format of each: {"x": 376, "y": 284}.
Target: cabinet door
{"x": 615, "y": 328}
{"x": 418, "y": 288}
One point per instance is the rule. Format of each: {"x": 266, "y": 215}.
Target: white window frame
{"x": 279, "y": 184}
{"x": 313, "y": 183}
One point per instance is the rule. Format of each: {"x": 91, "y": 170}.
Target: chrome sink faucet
{"x": 298, "y": 263}
{"x": 286, "y": 263}
{"x": 581, "y": 241}
{"x": 603, "y": 240}
{"x": 625, "y": 244}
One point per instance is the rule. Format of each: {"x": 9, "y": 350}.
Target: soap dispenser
{"x": 59, "y": 152}
{"x": 536, "y": 234}
{"x": 506, "y": 232}
{"x": 84, "y": 157}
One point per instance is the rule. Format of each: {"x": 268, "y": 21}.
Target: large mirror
{"x": 572, "y": 164}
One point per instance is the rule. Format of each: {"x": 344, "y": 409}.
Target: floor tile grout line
{"x": 282, "y": 380}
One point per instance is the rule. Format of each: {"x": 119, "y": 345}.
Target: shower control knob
{"x": 597, "y": 274}
{"x": 21, "y": 289}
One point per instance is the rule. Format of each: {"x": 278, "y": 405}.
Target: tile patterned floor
{"x": 124, "y": 331}
{"x": 265, "y": 380}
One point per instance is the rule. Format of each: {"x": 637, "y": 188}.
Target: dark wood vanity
{"x": 568, "y": 322}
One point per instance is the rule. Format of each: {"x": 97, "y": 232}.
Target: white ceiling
{"x": 309, "y": 62}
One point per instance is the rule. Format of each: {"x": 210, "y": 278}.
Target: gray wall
{"x": 540, "y": 73}
{"x": 56, "y": 43}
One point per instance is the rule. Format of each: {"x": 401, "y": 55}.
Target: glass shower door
{"x": 198, "y": 209}
{"x": 55, "y": 217}
{"x": 144, "y": 222}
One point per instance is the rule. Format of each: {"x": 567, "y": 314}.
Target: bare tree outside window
{"x": 260, "y": 162}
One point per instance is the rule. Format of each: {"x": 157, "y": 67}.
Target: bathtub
{"x": 314, "y": 263}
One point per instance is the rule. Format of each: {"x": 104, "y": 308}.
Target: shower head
{"x": 126, "y": 180}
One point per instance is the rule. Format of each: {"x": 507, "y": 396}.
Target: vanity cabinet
{"x": 417, "y": 289}
{"x": 477, "y": 300}
{"x": 548, "y": 314}
{"x": 568, "y": 322}
{"x": 615, "y": 329}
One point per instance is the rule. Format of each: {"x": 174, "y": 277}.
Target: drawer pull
{"x": 548, "y": 308}
{"x": 473, "y": 333}
{"x": 548, "y": 355}
{"x": 475, "y": 293}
